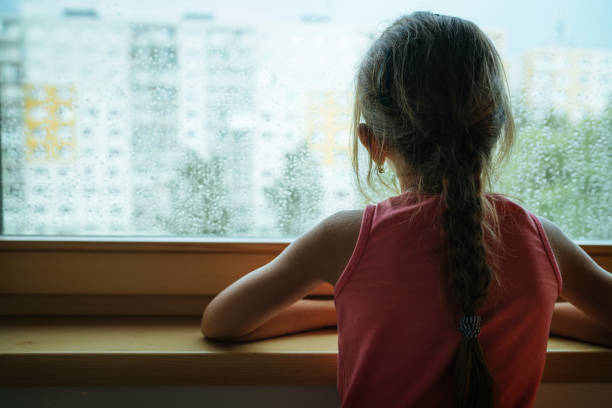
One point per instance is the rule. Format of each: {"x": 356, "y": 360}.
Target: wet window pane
{"x": 221, "y": 120}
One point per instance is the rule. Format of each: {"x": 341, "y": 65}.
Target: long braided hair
{"x": 433, "y": 89}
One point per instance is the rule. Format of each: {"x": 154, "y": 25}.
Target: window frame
{"x": 140, "y": 276}
{"x": 126, "y": 276}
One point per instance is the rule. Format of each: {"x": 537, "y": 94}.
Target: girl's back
{"x": 398, "y": 340}
{"x": 414, "y": 282}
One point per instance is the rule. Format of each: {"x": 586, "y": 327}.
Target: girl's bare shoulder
{"x": 345, "y": 221}
{"x": 341, "y": 231}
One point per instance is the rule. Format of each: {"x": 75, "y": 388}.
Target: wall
{"x": 549, "y": 395}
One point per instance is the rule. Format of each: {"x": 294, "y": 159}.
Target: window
{"x": 214, "y": 120}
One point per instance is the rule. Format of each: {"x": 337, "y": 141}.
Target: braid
{"x": 470, "y": 276}
{"x": 432, "y": 90}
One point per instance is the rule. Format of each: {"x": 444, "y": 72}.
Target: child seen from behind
{"x": 444, "y": 294}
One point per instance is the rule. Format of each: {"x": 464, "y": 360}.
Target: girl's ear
{"x": 366, "y": 137}
{"x": 368, "y": 140}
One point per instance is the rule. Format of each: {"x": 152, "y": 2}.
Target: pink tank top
{"x": 396, "y": 337}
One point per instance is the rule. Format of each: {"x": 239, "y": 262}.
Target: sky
{"x": 526, "y": 23}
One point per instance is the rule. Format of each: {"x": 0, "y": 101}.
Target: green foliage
{"x": 295, "y": 195}
{"x": 562, "y": 170}
{"x": 198, "y": 198}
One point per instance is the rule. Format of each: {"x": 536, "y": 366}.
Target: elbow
{"x": 212, "y": 336}
{"x": 217, "y": 335}
{"x": 209, "y": 334}
{"x": 206, "y": 331}
{"x": 207, "y": 327}
{"x": 210, "y": 328}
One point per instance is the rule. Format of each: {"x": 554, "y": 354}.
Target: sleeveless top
{"x": 397, "y": 331}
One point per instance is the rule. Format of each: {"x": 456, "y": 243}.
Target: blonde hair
{"x": 433, "y": 90}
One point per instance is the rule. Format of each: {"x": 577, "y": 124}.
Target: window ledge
{"x": 66, "y": 350}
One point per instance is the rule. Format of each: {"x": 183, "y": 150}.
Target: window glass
{"x": 218, "y": 119}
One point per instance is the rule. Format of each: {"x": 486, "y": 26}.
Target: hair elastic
{"x": 469, "y": 326}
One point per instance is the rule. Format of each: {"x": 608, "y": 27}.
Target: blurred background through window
{"x": 214, "y": 119}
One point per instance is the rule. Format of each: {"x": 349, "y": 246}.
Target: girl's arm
{"x": 303, "y": 315}
{"x": 569, "y": 321}
{"x": 586, "y": 285}
{"x": 253, "y": 307}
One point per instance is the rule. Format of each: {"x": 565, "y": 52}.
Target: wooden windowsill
{"x": 172, "y": 351}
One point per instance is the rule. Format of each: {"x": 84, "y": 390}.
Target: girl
{"x": 444, "y": 294}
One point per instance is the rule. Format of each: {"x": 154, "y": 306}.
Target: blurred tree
{"x": 295, "y": 196}
{"x": 560, "y": 169}
{"x": 198, "y": 197}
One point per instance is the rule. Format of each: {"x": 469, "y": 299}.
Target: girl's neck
{"x": 406, "y": 185}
